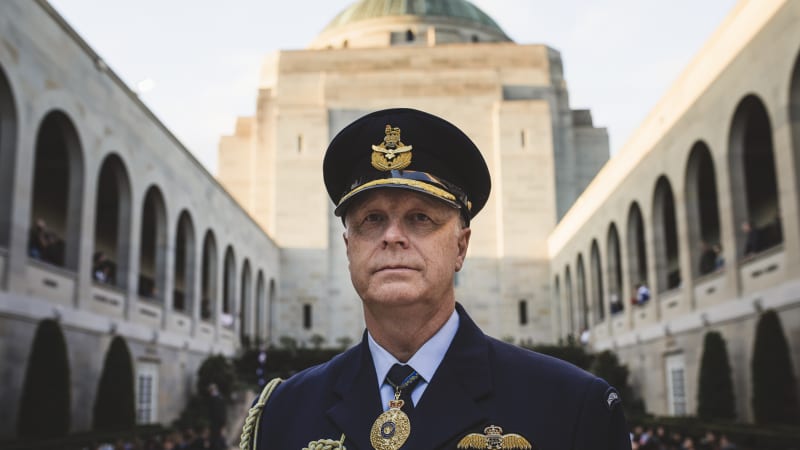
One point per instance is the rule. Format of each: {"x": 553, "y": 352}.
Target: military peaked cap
{"x": 405, "y": 148}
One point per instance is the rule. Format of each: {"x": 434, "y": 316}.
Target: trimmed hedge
{"x": 114, "y": 407}
{"x": 45, "y": 404}
{"x": 774, "y": 386}
{"x": 715, "y": 399}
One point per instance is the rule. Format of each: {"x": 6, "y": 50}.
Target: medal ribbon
{"x": 412, "y": 378}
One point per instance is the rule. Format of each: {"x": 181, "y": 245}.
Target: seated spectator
{"x": 719, "y": 260}
{"x": 226, "y": 320}
{"x": 674, "y": 279}
{"x": 642, "y": 294}
{"x": 39, "y": 240}
{"x": 616, "y": 304}
{"x": 752, "y": 244}
{"x": 101, "y": 268}
{"x": 707, "y": 258}
{"x": 585, "y": 336}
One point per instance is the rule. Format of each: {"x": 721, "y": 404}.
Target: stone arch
{"x": 112, "y": 224}
{"x": 8, "y": 156}
{"x": 614, "y": 268}
{"x": 57, "y": 190}
{"x": 665, "y": 237}
{"x": 571, "y": 319}
{"x": 229, "y": 288}
{"x": 637, "y": 249}
{"x": 260, "y": 322}
{"x": 794, "y": 120}
{"x": 183, "y": 297}
{"x": 596, "y": 277}
{"x": 246, "y": 311}
{"x": 754, "y": 187}
{"x": 702, "y": 209}
{"x": 208, "y": 281}
{"x": 583, "y": 301}
{"x": 153, "y": 246}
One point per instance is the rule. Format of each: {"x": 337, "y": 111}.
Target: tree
{"x": 715, "y": 398}
{"x": 114, "y": 407}
{"x": 316, "y": 341}
{"x": 45, "y": 407}
{"x": 774, "y": 386}
{"x": 215, "y": 369}
{"x": 218, "y": 370}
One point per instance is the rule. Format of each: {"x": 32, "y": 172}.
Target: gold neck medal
{"x": 392, "y": 428}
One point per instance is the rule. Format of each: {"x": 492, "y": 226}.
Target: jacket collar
{"x": 450, "y": 402}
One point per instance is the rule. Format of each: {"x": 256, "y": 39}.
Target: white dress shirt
{"x": 425, "y": 361}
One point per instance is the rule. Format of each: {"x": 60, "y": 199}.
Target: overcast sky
{"x": 197, "y": 61}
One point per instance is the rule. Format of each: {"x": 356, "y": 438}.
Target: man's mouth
{"x": 394, "y": 268}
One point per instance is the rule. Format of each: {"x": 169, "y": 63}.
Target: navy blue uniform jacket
{"x": 481, "y": 381}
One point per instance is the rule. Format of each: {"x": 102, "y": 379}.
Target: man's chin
{"x": 398, "y": 295}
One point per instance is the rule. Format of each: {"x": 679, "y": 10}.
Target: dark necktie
{"x": 404, "y": 378}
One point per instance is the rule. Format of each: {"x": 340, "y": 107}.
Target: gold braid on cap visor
{"x": 403, "y": 178}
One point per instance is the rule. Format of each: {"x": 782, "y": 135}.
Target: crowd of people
{"x": 208, "y": 437}
{"x": 660, "y": 438}
{"x": 45, "y": 245}
{"x": 186, "y": 439}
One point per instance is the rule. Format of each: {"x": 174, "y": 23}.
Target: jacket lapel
{"x": 451, "y": 405}
{"x": 360, "y": 402}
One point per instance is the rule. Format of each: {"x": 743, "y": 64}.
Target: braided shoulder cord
{"x": 250, "y": 429}
{"x": 326, "y": 444}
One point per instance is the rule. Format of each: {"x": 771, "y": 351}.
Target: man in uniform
{"x": 406, "y": 184}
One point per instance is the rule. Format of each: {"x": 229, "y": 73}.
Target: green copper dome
{"x": 451, "y": 9}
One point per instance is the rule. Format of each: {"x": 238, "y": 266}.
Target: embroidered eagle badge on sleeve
{"x": 494, "y": 439}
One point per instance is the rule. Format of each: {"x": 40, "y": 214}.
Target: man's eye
{"x": 419, "y": 217}
{"x": 372, "y": 218}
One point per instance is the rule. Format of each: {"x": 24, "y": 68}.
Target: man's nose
{"x": 395, "y": 233}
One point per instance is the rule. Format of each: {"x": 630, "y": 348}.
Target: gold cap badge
{"x": 391, "y": 154}
{"x": 494, "y": 439}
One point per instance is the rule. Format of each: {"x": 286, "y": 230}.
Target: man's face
{"x": 404, "y": 248}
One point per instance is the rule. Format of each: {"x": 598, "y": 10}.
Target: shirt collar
{"x": 425, "y": 361}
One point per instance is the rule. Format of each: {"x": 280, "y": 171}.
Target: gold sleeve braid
{"x": 250, "y": 429}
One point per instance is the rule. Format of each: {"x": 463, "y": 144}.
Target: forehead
{"x": 391, "y": 198}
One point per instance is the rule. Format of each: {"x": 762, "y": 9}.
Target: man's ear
{"x": 463, "y": 244}
{"x": 344, "y": 236}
